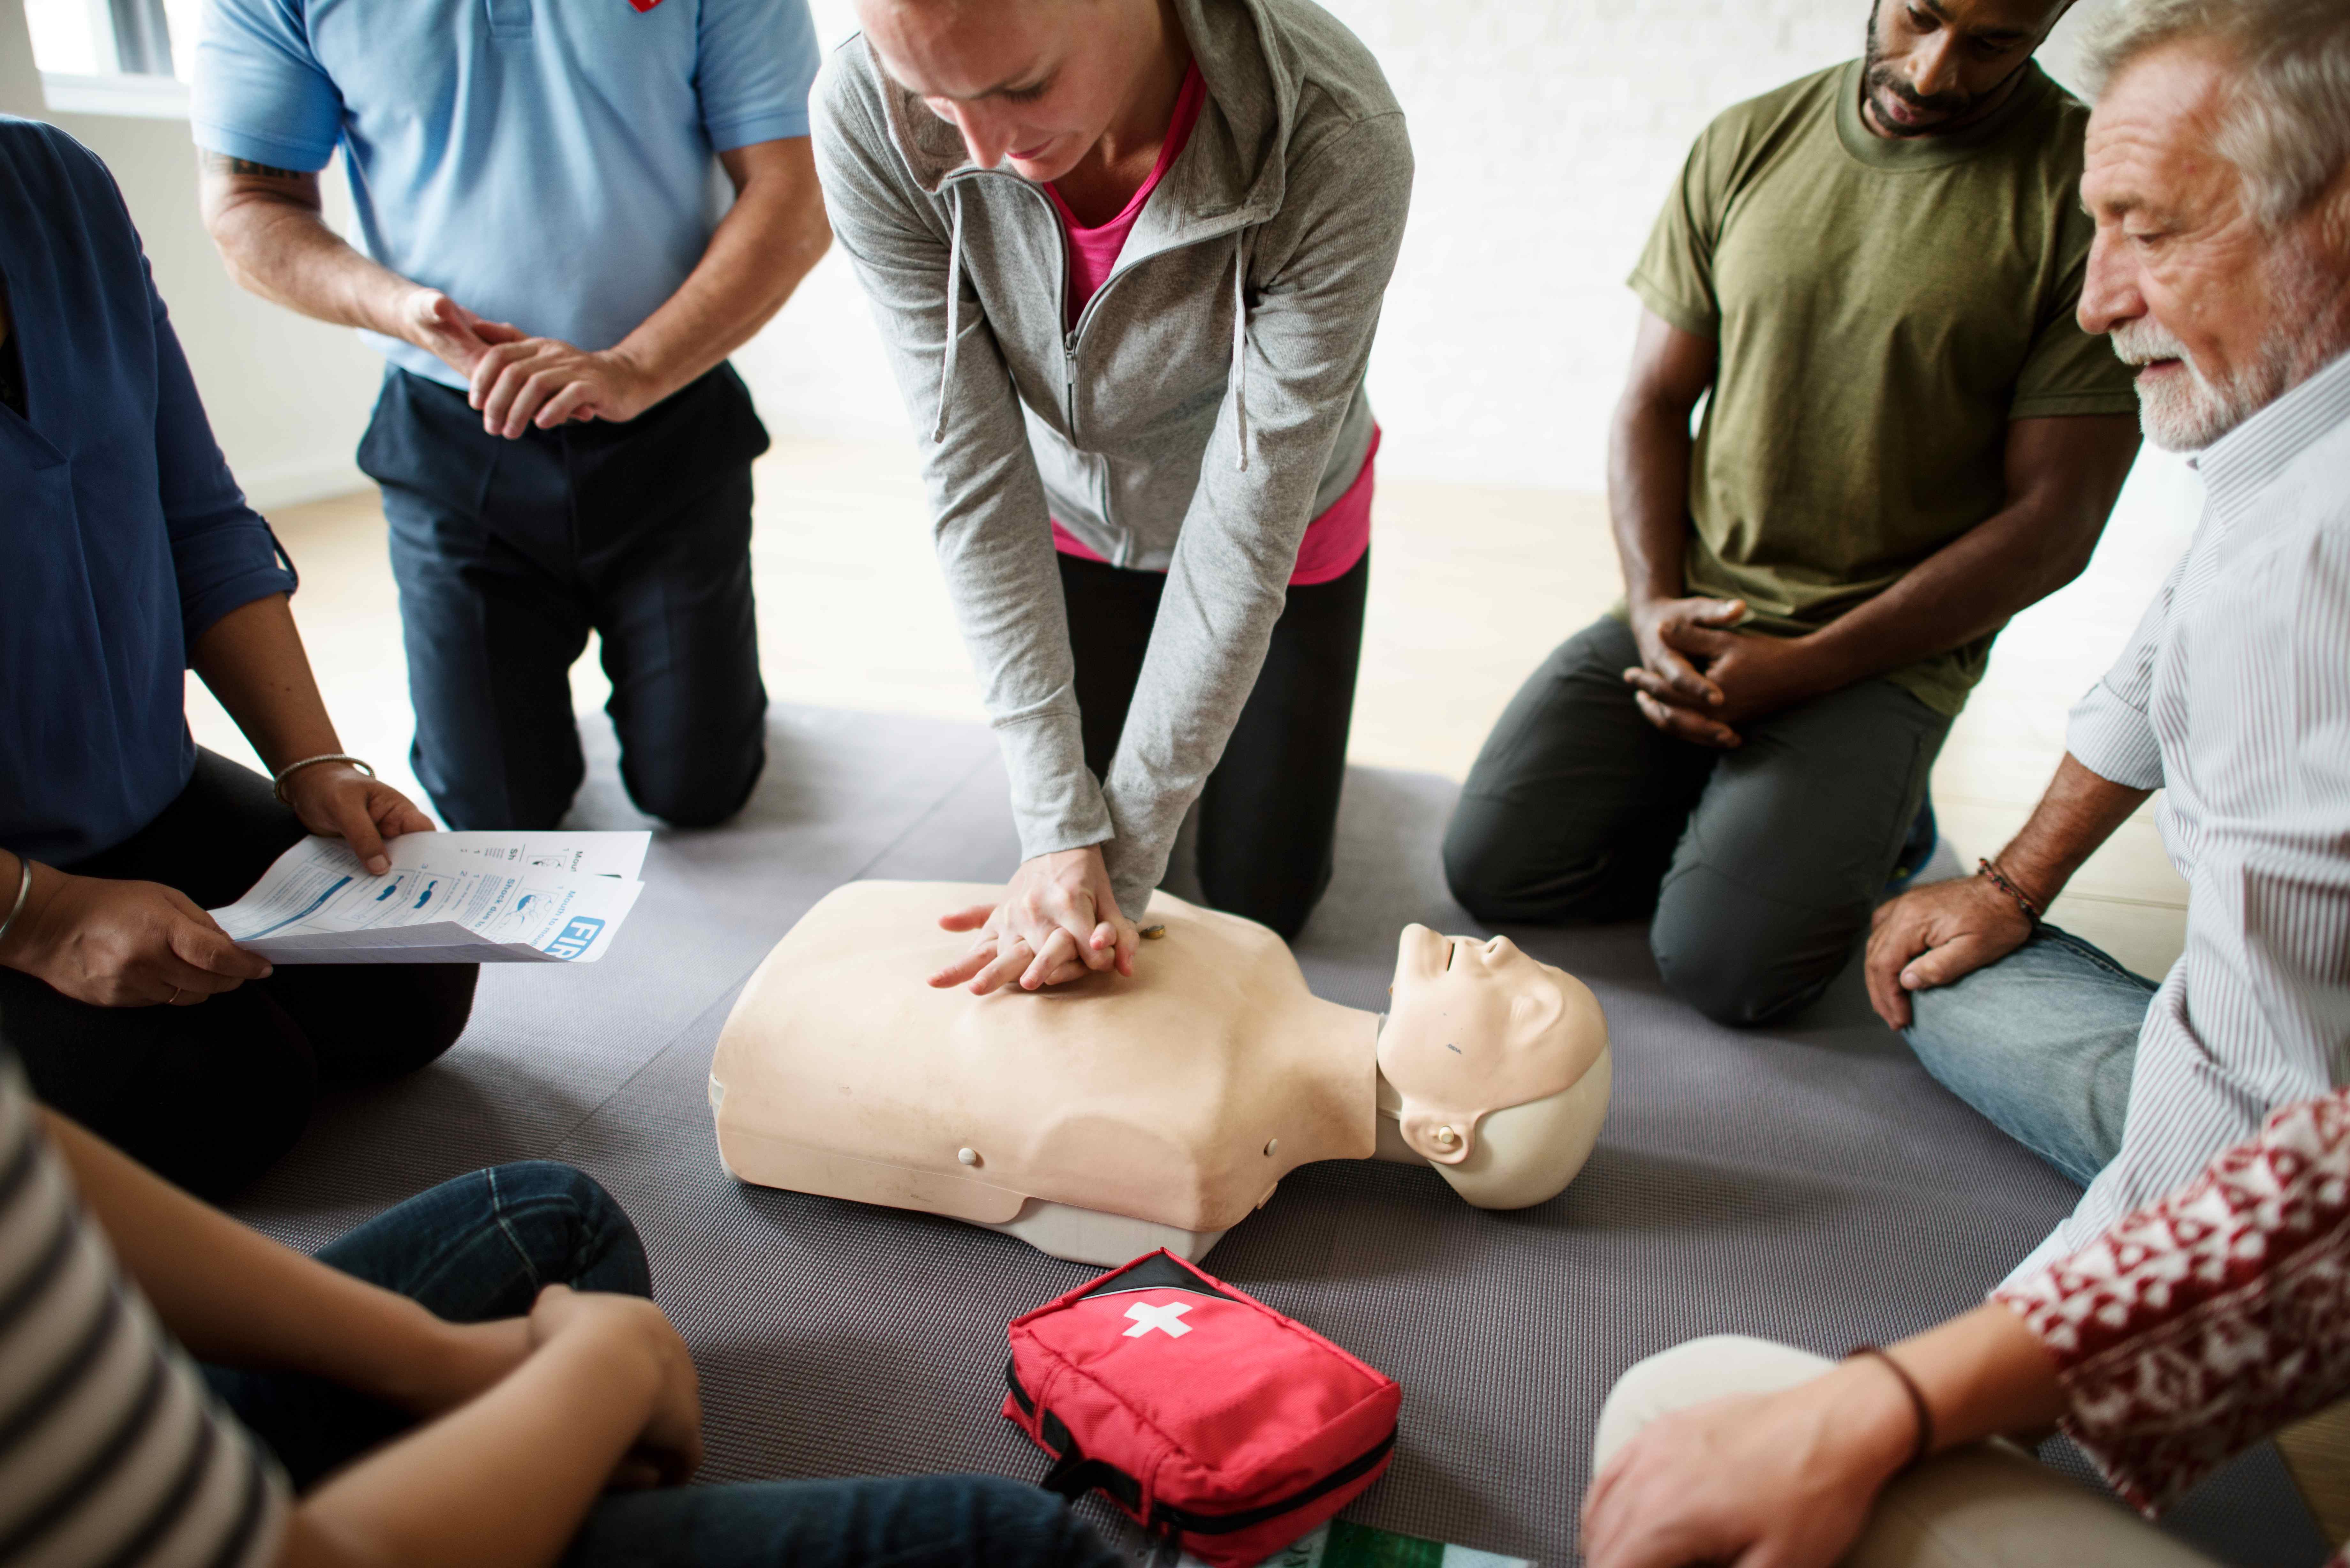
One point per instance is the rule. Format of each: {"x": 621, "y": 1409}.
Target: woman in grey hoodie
{"x": 1127, "y": 256}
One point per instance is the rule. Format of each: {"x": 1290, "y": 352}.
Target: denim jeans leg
{"x": 2043, "y": 1044}
{"x": 914, "y": 1521}
{"x": 472, "y": 1248}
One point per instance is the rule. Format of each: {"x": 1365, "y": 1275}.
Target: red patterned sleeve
{"x": 2206, "y": 1320}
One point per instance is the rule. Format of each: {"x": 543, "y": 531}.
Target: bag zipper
{"x": 1186, "y": 1519}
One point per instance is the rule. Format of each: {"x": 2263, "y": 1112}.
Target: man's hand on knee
{"x": 1936, "y": 935}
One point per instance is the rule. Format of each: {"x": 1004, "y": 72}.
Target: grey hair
{"x": 2286, "y": 126}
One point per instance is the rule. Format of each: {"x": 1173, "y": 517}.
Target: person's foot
{"x": 1917, "y": 849}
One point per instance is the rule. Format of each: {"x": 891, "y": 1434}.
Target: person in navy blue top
{"x": 131, "y": 557}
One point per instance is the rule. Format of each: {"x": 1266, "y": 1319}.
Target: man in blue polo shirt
{"x": 561, "y": 445}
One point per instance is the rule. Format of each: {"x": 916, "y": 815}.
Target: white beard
{"x": 2189, "y": 414}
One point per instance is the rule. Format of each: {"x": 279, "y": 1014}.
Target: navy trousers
{"x": 509, "y": 553}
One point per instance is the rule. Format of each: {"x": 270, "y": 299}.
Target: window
{"x": 115, "y": 56}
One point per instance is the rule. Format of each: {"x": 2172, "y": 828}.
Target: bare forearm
{"x": 501, "y": 1483}
{"x": 1983, "y": 1374}
{"x": 2063, "y": 475}
{"x": 2078, "y": 813}
{"x": 1966, "y": 590}
{"x": 252, "y": 658}
{"x": 232, "y": 1295}
{"x": 269, "y": 227}
{"x": 1648, "y": 455}
{"x": 767, "y": 244}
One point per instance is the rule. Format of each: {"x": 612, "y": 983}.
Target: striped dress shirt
{"x": 111, "y": 1451}
{"x": 2234, "y": 698}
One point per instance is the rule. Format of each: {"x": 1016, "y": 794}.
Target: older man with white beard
{"x": 2199, "y": 1297}
{"x": 2218, "y": 174}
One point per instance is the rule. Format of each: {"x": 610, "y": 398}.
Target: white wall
{"x": 287, "y": 397}
{"x": 1546, "y": 132}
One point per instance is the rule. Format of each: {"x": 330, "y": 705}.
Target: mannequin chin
{"x": 1102, "y": 1118}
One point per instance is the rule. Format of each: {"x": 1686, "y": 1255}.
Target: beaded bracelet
{"x": 1924, "y": 1446}
{"x": 1999, "y": 880}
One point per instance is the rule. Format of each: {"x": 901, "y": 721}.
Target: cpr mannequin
{"x": 1112, "y": 1115}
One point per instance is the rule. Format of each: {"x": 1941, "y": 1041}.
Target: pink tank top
{"x": 1335, "y": 540}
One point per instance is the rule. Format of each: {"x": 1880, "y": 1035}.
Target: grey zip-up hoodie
{"x": 1207, "y": 405}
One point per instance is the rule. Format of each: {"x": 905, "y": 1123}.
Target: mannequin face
{"x": 1477, "y": 1027}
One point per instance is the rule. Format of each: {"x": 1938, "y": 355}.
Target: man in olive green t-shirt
{"x": 1871, "y": 276}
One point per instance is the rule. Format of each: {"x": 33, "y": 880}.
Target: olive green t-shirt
{"x": 1883, "y": 308}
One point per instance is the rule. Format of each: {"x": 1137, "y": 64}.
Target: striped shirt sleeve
{"x": 2256, "y": 1012}
{"x": 111, "y": 1449}
{"x": 2111, "y": 733}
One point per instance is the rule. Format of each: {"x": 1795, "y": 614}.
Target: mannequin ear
{"x": 1420, "y": 954}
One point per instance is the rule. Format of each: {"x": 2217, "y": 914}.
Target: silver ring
{"x": 175, "y": 998}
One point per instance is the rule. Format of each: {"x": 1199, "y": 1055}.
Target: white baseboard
{"x": 292, "y": 484}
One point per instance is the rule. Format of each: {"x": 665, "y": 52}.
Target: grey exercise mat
{"x": 1809, "y": 1184}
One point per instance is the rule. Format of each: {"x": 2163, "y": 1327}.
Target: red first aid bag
{"x": 1209, "y": 1417}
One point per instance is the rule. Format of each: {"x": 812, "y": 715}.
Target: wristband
{"x": 277, "y": 784}
{"x": 1999, "y": 880}
{"x": 24, "y": 891}
{"x": 1924, "y": 1446}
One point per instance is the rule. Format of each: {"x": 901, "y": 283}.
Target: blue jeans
{"x": 481, "y": 1247}
{"x": 2043, "y": 1043}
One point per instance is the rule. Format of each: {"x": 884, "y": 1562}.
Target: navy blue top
{"x": 122, "y": 536}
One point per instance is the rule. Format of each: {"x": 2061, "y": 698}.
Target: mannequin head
{"x": 1496, "y": 1063}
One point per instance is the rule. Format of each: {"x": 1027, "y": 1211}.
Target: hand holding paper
{"x": 449, "y": 897}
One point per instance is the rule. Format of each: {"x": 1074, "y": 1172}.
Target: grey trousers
{"x": 1760, "y": 864}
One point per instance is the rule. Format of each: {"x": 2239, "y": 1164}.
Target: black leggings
{"x": 209, "y": 1096}
{"x": 1269, "y": 816}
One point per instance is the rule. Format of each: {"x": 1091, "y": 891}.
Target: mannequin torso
{"x": 1174, "y": 1099}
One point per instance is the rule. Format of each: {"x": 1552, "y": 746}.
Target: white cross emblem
{"x": 1168, "y": 1317}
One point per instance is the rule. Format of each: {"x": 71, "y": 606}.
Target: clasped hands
{"x": 117, "y": 943}
{"x": 1058, "y": 919}
{"x": 1699, "y": 679}
{"x": 517, "y": 380}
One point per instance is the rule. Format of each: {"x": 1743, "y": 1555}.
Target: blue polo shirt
{"x": 122, "y": 537}
{"x": 545, "y": 163}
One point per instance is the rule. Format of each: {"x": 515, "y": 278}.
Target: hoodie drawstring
{"x": 954, "y": 313}
{"x": 1240, "y": 342}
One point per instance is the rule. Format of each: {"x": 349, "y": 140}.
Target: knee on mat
{"x": 237, "y": 1110}
{"x": 695, "y": 797}
{"x": 1483, "y": 866}
{"x": 573, "y": 1231}
{"x": 1282, "y": 910}
{"x": 1689, "y": 1374}
{"x": 443, "y": 1006}
{"x": 1732, "y": 976}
